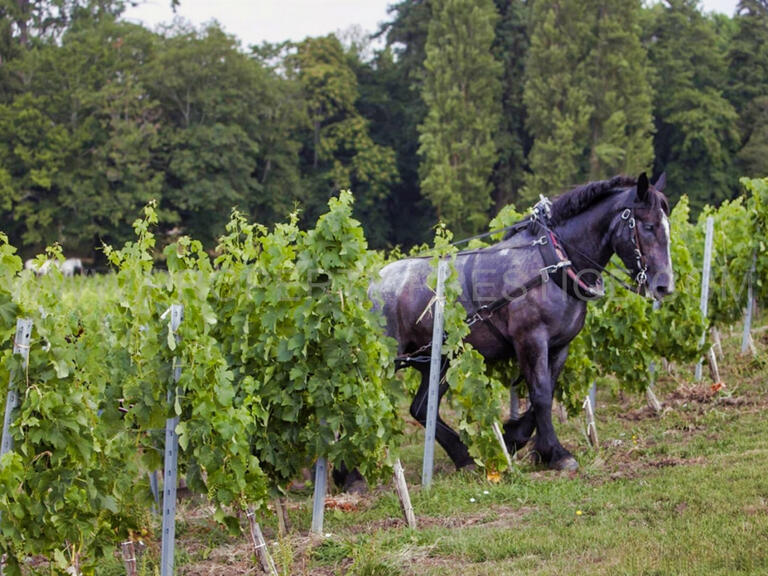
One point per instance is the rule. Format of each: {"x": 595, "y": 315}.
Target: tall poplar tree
{"x": 748, "y": 85}
{"x": 510, "y": 49}
{"x": 461, "y": 91}
{"x": 587, "y": 93}
{"x": 556, "y": 100}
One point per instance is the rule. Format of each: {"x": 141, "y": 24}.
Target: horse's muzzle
{"x": 663, "y": 284}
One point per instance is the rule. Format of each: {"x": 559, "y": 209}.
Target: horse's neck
{"x": 589, "y": 233}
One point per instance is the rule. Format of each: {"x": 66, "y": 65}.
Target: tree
{"x": 695, "y": 125}
{"x": 748, "y": 84}
{"x": 338, "y": 152}
{"x": 510, "y": 48}
{"x": 587, "y": 94}
{"x": 398, "y": 76}
{"x": 461, "y": 91}
{"x": 217, "y": 107}
{"x": 77, "y": 142}
{"x": 556, "y": 101}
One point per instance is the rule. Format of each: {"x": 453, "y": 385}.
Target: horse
{"x": 526, "y": 296}
{"x": 69, "y": 267}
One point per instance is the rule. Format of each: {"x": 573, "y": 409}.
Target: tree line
{"x": 461, "y": 108}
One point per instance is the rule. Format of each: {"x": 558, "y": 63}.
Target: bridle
{"x": 641, "y": 277}
{"x": 542, "y": 213}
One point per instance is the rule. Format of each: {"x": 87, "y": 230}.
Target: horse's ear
{"x": 642, "y": 188}
{"x": 661, "y": 183}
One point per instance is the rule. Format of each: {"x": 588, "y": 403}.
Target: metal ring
{"x": 626, "y": 214}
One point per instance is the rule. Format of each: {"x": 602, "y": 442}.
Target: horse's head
{"x": 642, "y": 237}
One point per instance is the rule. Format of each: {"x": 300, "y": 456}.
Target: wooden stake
{"x": 591, "y": 426}
{"x": 282, "y": 516}
{"x": 562, "y": 413}
{"x": 500, "y": 438}
{"x": 653, "y": 401}
{"x": 717, "y": 344}
{"x": 129, "y": 557}
{"x": 713, "y": 371}
{"x": 260, "y": 545}
{"x": 402, "y": 493}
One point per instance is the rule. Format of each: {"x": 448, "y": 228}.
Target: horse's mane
{"x": 575, "y": 201}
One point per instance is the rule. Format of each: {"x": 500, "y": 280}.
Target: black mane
{"x": 575, "y": 201}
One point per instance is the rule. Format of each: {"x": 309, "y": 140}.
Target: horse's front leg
{"x": 540, "y": 366}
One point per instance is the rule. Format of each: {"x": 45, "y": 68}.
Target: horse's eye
{"x": 648, "y": 227}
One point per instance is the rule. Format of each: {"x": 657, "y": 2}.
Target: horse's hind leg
{"x": 444, "y": 434}
{"x": 349, "y": 480}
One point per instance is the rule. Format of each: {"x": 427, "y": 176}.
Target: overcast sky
{"x": 254, "y": 21}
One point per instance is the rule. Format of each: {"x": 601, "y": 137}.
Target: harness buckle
{"x": 642, "y": 277}
{"x": 477, "y": 317}
{"x": 626, "y": 214}
{"x": 547, "y": 271}
{"x": 541, "y": 241}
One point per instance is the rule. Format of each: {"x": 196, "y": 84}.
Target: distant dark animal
{"x": 526, "y": 296}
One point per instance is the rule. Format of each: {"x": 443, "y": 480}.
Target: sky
{"x": 256, "y": 21}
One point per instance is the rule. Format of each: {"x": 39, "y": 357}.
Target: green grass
{"x": 683, "y": 493}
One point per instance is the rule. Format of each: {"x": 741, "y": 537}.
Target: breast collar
{"x": 567, "y": 277}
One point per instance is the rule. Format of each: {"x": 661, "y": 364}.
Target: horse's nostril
{"x": 663, "y": 290}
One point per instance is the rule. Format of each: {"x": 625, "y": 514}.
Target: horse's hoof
{"x": 568, "y": 464}
{"x": 467, "y": 466}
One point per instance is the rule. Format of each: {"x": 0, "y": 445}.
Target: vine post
{"x": 434, "y": 374}
{"x": 318, "y": 501}
{"x": 171, "y": 459}
{"x": 20, "y": 346}
{"x": 705, "y": 274}
{"x": 746, "y": 337}
{"x": 653, "y": 401}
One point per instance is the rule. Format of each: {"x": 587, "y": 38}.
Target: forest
{"x": 451, "y": 111}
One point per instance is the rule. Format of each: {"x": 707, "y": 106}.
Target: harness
{"x": 557, "y": 266}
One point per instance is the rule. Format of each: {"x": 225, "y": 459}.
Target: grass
{"x": 684, "y": 492}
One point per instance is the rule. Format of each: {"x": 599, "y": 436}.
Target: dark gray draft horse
{"x": 526, "y": 295}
